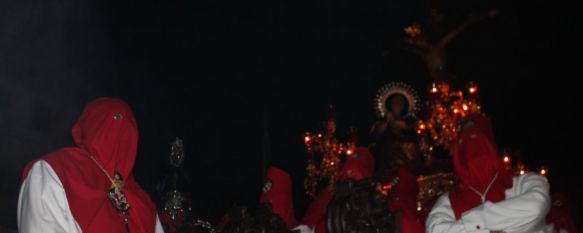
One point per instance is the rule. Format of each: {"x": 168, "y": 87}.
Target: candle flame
{"x": 506, "y": 159}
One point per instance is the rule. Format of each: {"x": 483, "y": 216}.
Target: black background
{"x": 216, "y": 72}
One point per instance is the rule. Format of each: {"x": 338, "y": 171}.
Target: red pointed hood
{"x": 359, "y": 167}
{"x": 277, "y": 190}
{"x": 108, "y": 130}
{"x": 480, "y": 168}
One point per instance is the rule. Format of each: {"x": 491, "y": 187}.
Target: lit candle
{"x": 472, "y": 88}
{"x": 544, "y": 171}
{"x": 521, "y": 169}
{"x": 434, "y": 88}
{"x": 506, "y": 159}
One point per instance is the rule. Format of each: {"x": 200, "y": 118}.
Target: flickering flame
{"x": 434, "y": 90}
{"x": 307, "y": 139}
{"x": 422, "y": 126}
{"x": 456, "y": 111}
{"x": 348, "y": 152}
{"x": 465, "y": 107}
{"x": 418, "y": 131}
{"x": 543, "y": 171}
{"x": 521, "y": 172}
{"x": 472, "y": 90}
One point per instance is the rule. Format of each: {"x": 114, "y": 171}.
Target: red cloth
{"x": 403, "y": 199}
{"x": 477, "y": 163}
{"x": 317, "y": 210}
{"x": 224, "y": 220}
{"x": 560, "y": 214}
{"x": 412, "y": 225}
{"x": 481, "y": 122}
{"x": 357, "y": 168}
{"x": 280, "y": 195}
{"x": 365, "y": 159}
{"x": 113, "y": 143}
{"x": 321, "y": 227}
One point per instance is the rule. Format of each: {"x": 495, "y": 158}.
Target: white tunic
{"x": 524, "y": 210}
{"x": 303, "y": 229}
{"x": 43, "y": 206}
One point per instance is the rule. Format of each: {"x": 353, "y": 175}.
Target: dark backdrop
{"x": 220, "y": 74}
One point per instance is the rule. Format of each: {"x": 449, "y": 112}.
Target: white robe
{"x": 303, "y": 229}
{"x": 43, "y": 206}
{"x": 524, "y": 210}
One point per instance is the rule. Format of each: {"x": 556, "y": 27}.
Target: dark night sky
{"x": 209, "y": 72}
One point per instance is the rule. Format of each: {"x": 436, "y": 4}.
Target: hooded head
{"x": 359, "y": 167}
{"x": 478, "y": 165}
{"x": 481, "y": 122}
{"x": 475, "y": 159}
{"x": 277, "y": 190}
{"x": 108, "y": 131}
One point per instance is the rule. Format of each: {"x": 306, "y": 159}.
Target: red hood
{"x": 478, "y": 165}
{"x": 475, "y": 159}
{"x": 107, "y": 130}
{"x": 359, "y": 167}
{"x": 277, "y": 190}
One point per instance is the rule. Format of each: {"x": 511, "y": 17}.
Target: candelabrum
{"x": 175, "y": 200}
{"x": 446, "y": 109}
{"x": 325, "y": 154}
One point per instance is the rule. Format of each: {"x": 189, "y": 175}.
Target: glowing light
{"x": 543, "y": 171}
{"x": 456, "y": 111}
{"x": 465, "y": 107}
{"x": 332, "y": 163}
{"x": 319, "y": 135}
{"x": 473, "y": 90}
{"x": 506, "y": 159}
{"x": 521, "y": 172}
{"x": 348, "y": 152}
{"x": 307, "y": 139}
{"x": 434, "y": 90}
{"x": 418, "y": 208}
{"x": 418, "y": 131}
